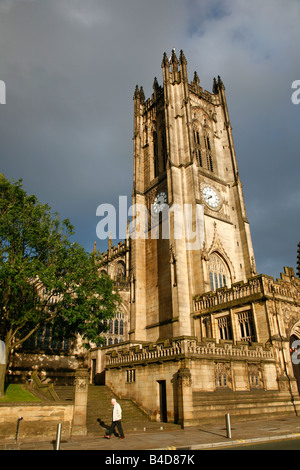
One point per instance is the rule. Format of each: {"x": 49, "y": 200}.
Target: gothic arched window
{"x": 197, "y": 143}
{"x": 164, "y": 149}
{"x": 121, "y": 327}
{"x": 116, "y": 327}
{"x": 209, "y": 158}
{"x": 120, "y": 270}
{"x": 155, "y": 151}
{"x": 218, "y": 272}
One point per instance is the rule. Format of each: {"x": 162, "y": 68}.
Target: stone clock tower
{"x": 202, "y": 322}
{"x": 195, "y": 320}
{"x": 184, "y": 157}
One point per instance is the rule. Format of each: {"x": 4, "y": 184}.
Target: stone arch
{"x": 122, "y": 318}
{"x": 217, "y": 247}
{"x": 202, "y": 116}
{"x": 295, "y": 330}
{"x": 204, "y": 152}
{"x": 120, "y": 270}
{"x": 203, "y": 123}
{"x": 196, "y": 124}
{"x": 219, "y": 271}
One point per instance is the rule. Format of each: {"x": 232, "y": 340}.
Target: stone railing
{"x": 185, "y": 348}
{"x": 46, "y": 389}
{"x": 260, "y": 286}
{"x": 210, "y": 347}
{"x": 238, "y": 292}
{"x": 144, "y": 353}
{"x": 113, "y": 252}
{"x": 202, "y": 93}
{"x": 286, "y": 288}
{"x": 121, "y": 283}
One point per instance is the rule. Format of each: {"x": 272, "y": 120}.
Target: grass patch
{"x": 16, "y": 393}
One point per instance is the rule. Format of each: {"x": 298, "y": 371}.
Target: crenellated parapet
{"x": 113, "y": 252}
{"x": 175, "y": 72}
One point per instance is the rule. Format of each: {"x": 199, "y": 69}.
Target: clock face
{"x": 211, "y": 197}
{"x": 159, "y": 202}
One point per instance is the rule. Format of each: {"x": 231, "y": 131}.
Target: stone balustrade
{"x": 185, "y": 348}
{"x": 257, "y": 287}
{"x": 238, "y": 292}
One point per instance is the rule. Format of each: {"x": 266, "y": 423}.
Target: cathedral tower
{"x": 184, "y": 157}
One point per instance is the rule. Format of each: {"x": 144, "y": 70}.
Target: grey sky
{"x": 71, "y": 66}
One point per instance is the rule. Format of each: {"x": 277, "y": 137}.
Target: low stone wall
{"x": 39, "y": 420}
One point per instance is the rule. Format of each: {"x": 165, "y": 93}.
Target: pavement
{"x": 200, "y": 437}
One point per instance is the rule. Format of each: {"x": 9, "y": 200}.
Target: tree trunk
{"x": 2, "y": 379}
{"x": 3, "y": 367}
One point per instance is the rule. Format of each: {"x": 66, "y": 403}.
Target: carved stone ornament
{"x": 184, "y": 377}
{"x": 81, "y": 379}
{"x": 223, "y": 374}
{"x": 290, "y": 316}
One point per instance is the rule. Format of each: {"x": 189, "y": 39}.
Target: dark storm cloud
{"x": 71, "y": 66}
{"x": 71, "y": 69}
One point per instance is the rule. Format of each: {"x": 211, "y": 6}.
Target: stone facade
{"x": 115, "y": 263}
{"x": 184, "y": 151}
{"x": 207, "y": 334}
{"x": 199, "y": 333}
{"x": 40, "y": 420}
{"x": 249, "y": 372}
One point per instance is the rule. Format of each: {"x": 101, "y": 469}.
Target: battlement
{"x": 113, "y": 252}
{"x": 175, "y": 71}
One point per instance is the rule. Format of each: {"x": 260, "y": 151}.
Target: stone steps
{"x": 240, "y": 404}
{"x": 65, "y": 392}
{"x": 228, "y": 396}
{"x": 99, "y": 412}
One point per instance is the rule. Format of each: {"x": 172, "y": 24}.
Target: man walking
{"x": 116, "y": 420}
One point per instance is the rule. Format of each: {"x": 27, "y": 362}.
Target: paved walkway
{"x": 194, "y": 438}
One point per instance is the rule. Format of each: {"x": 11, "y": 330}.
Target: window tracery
{"x": 218, "y": 272}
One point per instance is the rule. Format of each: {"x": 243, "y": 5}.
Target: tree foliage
{"x": 45, "y": 278}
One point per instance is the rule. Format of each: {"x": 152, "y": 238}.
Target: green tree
{"x": 45, "y": 278}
